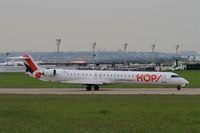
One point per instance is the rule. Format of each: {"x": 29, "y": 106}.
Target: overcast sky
{"x": 35, "y": 24}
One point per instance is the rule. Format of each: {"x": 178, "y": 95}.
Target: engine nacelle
{"x": 37, "y": 75}
{"x": 49, "y": 72}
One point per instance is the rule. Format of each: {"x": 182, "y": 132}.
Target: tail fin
{"x": 31, "y": 66}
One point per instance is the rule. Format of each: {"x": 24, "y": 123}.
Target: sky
{"x": 34, "y": 25}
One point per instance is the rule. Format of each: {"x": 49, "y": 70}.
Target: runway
{"x": 106, "y": 91}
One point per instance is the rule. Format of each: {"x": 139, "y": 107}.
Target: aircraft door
{"x": 100, "y": 75}
{"x": 164, "y": 78}
{"x": 95, "y": 76}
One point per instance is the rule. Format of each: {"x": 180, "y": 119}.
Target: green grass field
{"x": 21, "y": 80}
{"x": 99, "y": 114}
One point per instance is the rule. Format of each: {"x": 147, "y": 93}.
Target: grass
{"x": 99, "y": 114}
{"x": 21, "y": 80}
{"x": 192, "y": 76}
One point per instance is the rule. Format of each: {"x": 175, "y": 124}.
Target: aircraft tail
{"x": 31, "y": 66}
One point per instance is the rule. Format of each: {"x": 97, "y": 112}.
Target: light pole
{"x": 153, "y": 52}
{"x": 125, "y": 51}
{"x": 7, "y": 54}
{"x": 93, "y": 50}
{"x": 58, "y": 42}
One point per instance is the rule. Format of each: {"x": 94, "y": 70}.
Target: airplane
{"x": 12, "y": 63}
{"x": 95, "y": 78}
{"x": 16, "y": 61}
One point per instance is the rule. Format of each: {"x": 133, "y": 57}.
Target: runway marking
{"x": 106, "y": 91}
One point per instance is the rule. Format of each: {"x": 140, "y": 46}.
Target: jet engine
{"x": 49, "y": 72}
{"x": 37, "y": 75}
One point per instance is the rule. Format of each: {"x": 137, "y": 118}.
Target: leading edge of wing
{"x": 93, "y": 82}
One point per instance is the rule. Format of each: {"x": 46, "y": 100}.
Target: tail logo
{"x": 31, "y": 66}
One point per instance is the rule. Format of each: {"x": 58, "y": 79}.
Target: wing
{"x": 93, "y": 82}
{"x": 88, "y": 82}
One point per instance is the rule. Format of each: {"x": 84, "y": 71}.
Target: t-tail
{"x": 31, "y": 66}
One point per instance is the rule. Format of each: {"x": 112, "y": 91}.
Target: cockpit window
{"x": 174, "y": 76}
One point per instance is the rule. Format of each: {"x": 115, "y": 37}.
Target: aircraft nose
{"x": 185, "y": 81}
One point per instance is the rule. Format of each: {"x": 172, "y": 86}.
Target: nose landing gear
{"x": 178, "y": 87}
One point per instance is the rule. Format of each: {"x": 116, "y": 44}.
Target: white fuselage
{"x": 93, "y": 77}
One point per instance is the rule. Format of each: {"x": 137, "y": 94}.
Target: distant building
{"x": 193, "y": 66}
{"x": 189, "y": 53}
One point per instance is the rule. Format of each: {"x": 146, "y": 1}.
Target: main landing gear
{"x": 96, "y": 87}
{"x": 89, "y": 87}
{"x": 178, "y": 87}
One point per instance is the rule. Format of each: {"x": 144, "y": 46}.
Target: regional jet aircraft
{"x": 94, "y": 79}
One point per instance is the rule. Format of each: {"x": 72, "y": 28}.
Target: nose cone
{"x": 184, "y": 81}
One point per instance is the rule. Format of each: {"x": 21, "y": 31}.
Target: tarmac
{"x": 104, "y": 91}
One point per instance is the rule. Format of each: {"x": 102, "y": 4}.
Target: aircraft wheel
{"x": 89, "y": 88}
{"x": 96, "y": 87}
{"x": 178, "y": 87}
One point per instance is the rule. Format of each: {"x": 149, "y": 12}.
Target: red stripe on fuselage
{"x": 30, "y": 62}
